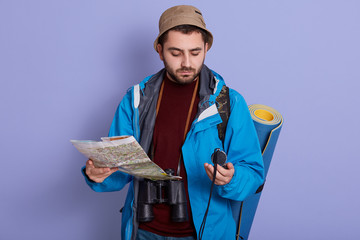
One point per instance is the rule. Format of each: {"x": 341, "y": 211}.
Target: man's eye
{"x": 175, "y": 54}
{"x": 195, "y": 53}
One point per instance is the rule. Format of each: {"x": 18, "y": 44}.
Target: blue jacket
{"x": 136, "y": 116}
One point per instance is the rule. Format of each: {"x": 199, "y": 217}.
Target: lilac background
{"x": 65, "y": 65}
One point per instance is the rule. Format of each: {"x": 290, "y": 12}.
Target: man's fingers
{"x": 114, "y": 169}
{"x": 229, "y": 165}
{"x": 92, "y": 170}
{"x": 89, "y": 163}
{"x": 228, "y": 171}
{"x": 209, "y": 170}
{"x": 223, "y": 175}
{"x": 101, "y": 171}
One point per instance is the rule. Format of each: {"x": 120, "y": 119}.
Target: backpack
{"x": 223, "y": 103}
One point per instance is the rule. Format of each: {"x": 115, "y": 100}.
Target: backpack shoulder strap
{"x": 223, "y": 101}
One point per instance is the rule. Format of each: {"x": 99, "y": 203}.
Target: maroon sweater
{"x": 167, "y": 142}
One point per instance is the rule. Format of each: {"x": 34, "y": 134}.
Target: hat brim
{"x": 210, "y": 36}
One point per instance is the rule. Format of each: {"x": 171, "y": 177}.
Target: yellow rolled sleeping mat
{"x": 268, "y": 123}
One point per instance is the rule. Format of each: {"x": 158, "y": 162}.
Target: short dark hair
{"x": 186, "y": 29}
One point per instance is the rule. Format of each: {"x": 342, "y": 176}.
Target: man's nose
{"x": 185, "y": 61}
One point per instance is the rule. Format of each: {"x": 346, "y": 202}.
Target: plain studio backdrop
{"x": 65, "y": 66}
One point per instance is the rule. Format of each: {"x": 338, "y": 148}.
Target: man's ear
{"x": 159, "y": 50}
{"x": 206, "y": 47}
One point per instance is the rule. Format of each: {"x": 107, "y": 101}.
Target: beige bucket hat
{"x": 182, "y": 15}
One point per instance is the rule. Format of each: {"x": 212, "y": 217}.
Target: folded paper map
{"x": 123, "y": 152}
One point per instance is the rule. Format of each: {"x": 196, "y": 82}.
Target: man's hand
{"x": 98, "y": 174}
{"x": 223, "y": 175}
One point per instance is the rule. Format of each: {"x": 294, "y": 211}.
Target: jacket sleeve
{"x": 122, "y": 124}
{"x": 243, "y": 151}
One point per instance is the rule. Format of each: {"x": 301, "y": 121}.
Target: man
{"x": 174, "y": 116}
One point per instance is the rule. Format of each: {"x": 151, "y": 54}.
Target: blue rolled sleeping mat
{"x": 268, "y": 123}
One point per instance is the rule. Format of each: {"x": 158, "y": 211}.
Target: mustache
{"x": 186, "y": 69}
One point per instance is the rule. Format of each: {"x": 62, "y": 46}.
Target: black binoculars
{"x": 171, "y": 192}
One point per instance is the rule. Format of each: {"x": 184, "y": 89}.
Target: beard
{"x": 177, "y": 76}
